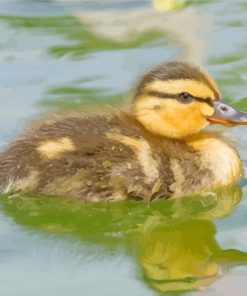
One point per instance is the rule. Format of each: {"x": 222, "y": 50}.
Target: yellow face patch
{"x": 53, "y": 149}
{"x": 170, "y": 118}
{"x": 206, "y": 110}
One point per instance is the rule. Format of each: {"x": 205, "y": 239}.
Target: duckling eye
{"x": 185, "y": 98}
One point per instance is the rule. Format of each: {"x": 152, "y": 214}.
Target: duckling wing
{"x": 92, "y": 158}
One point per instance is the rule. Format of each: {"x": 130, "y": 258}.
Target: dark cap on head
{"x": 174, "y": 70}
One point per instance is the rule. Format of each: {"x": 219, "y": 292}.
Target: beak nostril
{"x": 224, "y": 108}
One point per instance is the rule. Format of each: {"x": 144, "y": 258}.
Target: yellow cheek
{"x": 186, "y": 118}
{"x": 178, "y": 112}
{"x": 206, "y": 110}
{"x": 170, "y": 118}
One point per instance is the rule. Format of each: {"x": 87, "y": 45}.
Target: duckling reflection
{"x": 180, "y": 257}
{"x": 184, "y": 257}
{"x": 173, "y": 242}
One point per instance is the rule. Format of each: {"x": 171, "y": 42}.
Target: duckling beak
{"x": 227, "y": 115}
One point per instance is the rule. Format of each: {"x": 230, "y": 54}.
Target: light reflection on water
{"x": 60, "y": 247}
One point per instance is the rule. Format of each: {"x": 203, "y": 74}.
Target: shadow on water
{"x": 172, "y": 241}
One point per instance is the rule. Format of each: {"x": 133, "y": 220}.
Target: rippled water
{"x": 51, "y": 60}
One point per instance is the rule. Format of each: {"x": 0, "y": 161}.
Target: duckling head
{"x": 177, "y": 99}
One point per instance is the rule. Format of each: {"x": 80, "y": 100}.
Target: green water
{"x": 53, "y": 246}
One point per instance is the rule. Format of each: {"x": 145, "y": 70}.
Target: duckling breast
{"x": 220, "y": 158}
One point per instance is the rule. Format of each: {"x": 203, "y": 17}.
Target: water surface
{"x": 50, "y": 60}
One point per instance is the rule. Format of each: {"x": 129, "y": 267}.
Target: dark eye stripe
{"x": 208, "y": 101}
{"x": 162, "y": 95}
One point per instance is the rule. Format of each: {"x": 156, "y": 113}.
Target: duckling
{"x": 156, "y": 149}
